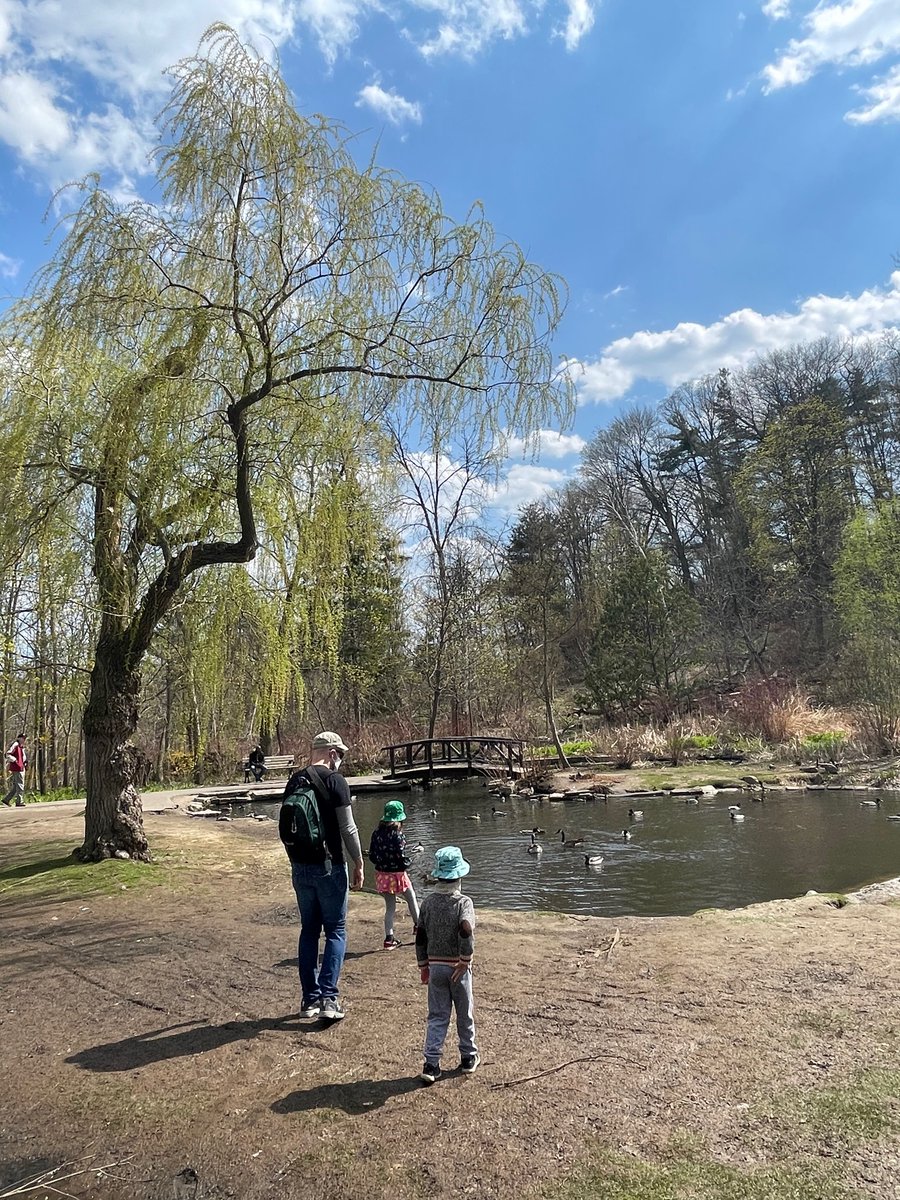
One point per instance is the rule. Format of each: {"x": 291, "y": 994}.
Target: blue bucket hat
{"x": 449, "y": 863}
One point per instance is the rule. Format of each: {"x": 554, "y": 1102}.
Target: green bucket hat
{"x": 394, "y": 811}
{"x": 449, "y": 863}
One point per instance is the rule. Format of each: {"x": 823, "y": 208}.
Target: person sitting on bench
{"x": 256, "y": 763}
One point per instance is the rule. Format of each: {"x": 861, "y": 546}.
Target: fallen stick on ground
{"x": 560, "y": 1067}
{"x": 49, "y": 1178}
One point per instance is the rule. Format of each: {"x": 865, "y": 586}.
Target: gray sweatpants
{"x": 16, "y": 790}
{"x": 443, "y": 996}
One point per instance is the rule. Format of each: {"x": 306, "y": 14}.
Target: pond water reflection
{"x": 681, "y": 857}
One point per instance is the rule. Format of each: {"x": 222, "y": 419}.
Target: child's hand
{"x": 458, "y": 973}
{"x": 424, "y": 974}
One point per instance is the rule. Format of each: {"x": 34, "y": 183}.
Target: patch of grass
{"x": 614, "y": 1177}
{"x": 53, "y": 794}
{"x": 866, "y": 1106}
{"x": 51, "y": 870}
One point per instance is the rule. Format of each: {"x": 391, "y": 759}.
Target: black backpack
{"x": 300, "y": 824}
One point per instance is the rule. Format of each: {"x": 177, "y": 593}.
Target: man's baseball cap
{"x": 326, "y": 739}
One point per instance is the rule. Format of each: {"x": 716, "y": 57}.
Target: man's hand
{"x": 459, "y": 971}
{"x": 359, "y": 875}
{"x": 424, "y": 974}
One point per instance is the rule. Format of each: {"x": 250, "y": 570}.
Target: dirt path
{"x": 148, "y": 1021}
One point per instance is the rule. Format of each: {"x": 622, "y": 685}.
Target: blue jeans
{"x": 322, "y": 890}
{"x": 443, "y": 997}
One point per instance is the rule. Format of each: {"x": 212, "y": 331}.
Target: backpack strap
{"x": 316, "y": 783}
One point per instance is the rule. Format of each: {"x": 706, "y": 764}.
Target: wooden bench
{"x": 273, "y": 762}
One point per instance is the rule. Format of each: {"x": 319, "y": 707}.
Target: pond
{"x": 680, "y": 858}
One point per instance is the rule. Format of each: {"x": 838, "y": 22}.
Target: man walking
{"x": 16, "y": 762}
{"x": 320, "y": 879}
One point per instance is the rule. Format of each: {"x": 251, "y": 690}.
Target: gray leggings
{"x": 390, "y": 907}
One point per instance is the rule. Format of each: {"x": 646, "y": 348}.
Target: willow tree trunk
{"x": 113, "y": 824}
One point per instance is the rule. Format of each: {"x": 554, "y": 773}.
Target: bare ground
{"x": 148, "y": 1028}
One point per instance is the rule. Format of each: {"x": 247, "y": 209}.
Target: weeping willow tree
{"x": 177, "y": 367}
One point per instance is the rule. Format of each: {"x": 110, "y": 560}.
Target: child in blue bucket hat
{"x": 387, "y": 854}
{"x": 445, "y": 943}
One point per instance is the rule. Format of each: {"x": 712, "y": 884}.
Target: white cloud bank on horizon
{"x": 853, "y": 33}
{"x": 690, "y": 351}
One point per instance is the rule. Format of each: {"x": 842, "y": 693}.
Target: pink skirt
{"x": 391, "y": 883}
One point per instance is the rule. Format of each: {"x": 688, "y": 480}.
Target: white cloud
{"x": 524, "y": 484}
{"x": 47, "y": 48}
{"x": 466, "y": 27}
{"x": 855, "y": 33}
{"x": 547, "y": 443}
{"x": 9, "y": 267}
{"x": 883, "y": 98}
{"x": 30, "y": 120}
{"x": 389, "y": 105}
{"x": 579, "y": 22}
{"x": 690, "y": 350}
{"x": 777, "y": 10}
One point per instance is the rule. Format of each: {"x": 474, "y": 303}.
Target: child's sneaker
{"x": 430, "y": 1073}
{"x": 469, "y": 1064}
{"x": 392, "y": 943}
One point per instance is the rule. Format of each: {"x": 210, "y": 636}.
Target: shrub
{"x": 826, "y": 745}
{"x": 626, "y": 746}
{"x": 676, "y": 741}
{"x": 702, "y": 741}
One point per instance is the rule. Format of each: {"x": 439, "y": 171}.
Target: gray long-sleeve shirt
{"x": 446, "y": 928}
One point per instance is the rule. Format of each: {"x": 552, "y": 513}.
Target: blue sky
{"x": 714, "y": 178}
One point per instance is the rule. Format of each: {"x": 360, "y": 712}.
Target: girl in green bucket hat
{"x": 387, "y": 853}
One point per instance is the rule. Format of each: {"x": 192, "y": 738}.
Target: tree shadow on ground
{"x": 178, "y": 1041}
{"x": 352, "y": 1098}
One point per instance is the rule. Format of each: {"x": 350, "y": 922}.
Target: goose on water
{"x": 534, "y": 829}
{"x": 593, "y": 860}
{"x": 692, "y": 800}
{"x": 734, "y": 808}
{"x": 876, "y": 803}
{"x": 737, "y": 816}
{"x": 474, "y": 817}
{"x": 626, "y": 835}
{"x": 636, "y": 814}
{"x": 535, "y": 847}
{"x": 495, "y": 813}
{"x": 571, "y": 841}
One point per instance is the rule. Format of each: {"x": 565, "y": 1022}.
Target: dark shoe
{"x": 332, "y": 1009}
{"x": 312, "y": 1009}
{"x": 391, "y": 943}
{"x": 469, "y": 1064}
{"x": 430, "y": 1073}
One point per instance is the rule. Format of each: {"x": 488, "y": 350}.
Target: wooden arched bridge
{"x": 457, "y": 757}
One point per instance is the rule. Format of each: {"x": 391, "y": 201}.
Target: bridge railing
{"x": 427, "y": 753}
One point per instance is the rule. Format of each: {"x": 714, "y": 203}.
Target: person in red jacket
{"x": 16, "y": 762}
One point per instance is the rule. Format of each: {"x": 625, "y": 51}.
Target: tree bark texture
{"x": 113, "y": 820}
